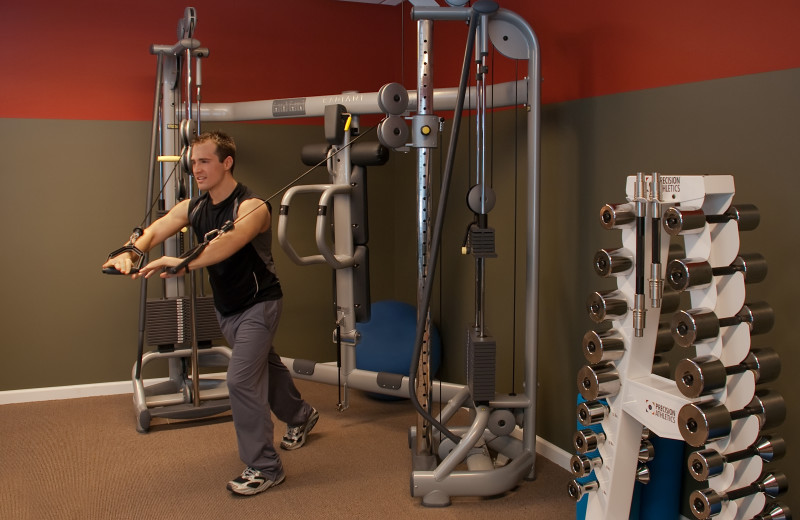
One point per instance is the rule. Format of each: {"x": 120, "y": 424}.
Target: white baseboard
{"x": 553, "y": 453}
{"x": 54, "y": 393}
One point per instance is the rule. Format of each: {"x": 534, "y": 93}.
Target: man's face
{"x": 207, "y": 169}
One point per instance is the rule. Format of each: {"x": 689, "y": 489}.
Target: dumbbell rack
{"x": 645, "y": 401}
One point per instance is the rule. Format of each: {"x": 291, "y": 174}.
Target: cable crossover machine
{"x": 498, "y": 448}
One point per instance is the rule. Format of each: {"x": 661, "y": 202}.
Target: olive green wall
{"x": 74, "y": 189}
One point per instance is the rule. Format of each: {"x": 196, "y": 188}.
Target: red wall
{"x": 89, "y": 59}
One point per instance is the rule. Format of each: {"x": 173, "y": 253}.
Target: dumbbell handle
{"x": 772, "y": 485}
{"x": 680, "y": 220}
{"x": 766, "y": 447}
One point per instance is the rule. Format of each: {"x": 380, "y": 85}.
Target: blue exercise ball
{"x": 387, "y": 339}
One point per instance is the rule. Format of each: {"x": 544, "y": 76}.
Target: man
{"x": 248, "y": 301}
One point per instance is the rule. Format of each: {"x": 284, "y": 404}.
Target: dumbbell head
{"x": 701, "y": 422}
{"x": 582, "y": 466}
{"x": 587, "y": 440}
{"x": 577, "y": 490}
{"x": 614, "y": 215}
{"x": 759, "y": 316}
{"x": 705, "y": 464}
{"x": 603, "y": 305}
{"x": 603, "y": 346}
{"x": 612, "y": 262}
{"x": 770, "y": 447}
{"x": 700, "y": 375}
{"x": 679, "y": 221}
{"x": 765, "y": 362}
{"x": 592, "y": 412}
{"x": 685, "y": 273}
{"x": 774, "y": 512}
{"x": 664, "y": 340}
{"x": 747, "y": 216}
{"x": 752, "y": 265}
{"x": 692, "y": 326}
{"x": 772, "y": 408}
{"x": 705, "y": 503}
{"x": 598, "y": 381}
{"x": 643, "y": 474}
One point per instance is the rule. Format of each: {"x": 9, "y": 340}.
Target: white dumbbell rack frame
{"x": 646, "y": 400}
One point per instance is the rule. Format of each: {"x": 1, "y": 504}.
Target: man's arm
{"x": 257, "y": 221}
{"x": 156, "y": 233}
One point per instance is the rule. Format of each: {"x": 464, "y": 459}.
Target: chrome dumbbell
{"x": 708, "y": 421}
{"x": 706, "y": 503}
{"x": 613, "y": 216}
{"x": 582, "y": 465}
{"x": 698, "y": 274}
{"x": 592, "y": 412}
{"x": 606, "y": 305}
{"x": 704, "y": 464}
{"x": 587, "y": 440}
{"x": 598, "y": 381}
{"x": 612, "y": 262}
{"x": 774, "y": 511}
{"x": 679, "y": 221}
{"x": 604, "y": 346}
{"x": 577, "y": 489}
{"x": 702, "y": 325}
{"x": 705, "y": 374}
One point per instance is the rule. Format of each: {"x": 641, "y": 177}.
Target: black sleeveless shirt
{"x": 248, "y": 276}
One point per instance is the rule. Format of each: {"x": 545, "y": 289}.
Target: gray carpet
{"x": 83, "y": 459}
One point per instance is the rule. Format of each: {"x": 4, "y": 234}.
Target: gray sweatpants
{"x": 258, "y": 382}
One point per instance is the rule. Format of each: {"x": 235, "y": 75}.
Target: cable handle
{"x": 129, "y": 247}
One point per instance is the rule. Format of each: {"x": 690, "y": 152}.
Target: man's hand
{"x": 159, "y": 265}
{"x": 123, "y": 263}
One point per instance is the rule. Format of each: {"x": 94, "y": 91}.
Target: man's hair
{"x": 225, "y": 145}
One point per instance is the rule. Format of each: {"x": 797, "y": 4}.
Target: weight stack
{"x": 169, "y": 322}
{"x": 481, "y": 241}
{"x": 481, "y": 366}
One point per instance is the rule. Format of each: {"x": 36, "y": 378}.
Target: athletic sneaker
{"x": 252, "y": 481}
{"x": 296, "y": 435}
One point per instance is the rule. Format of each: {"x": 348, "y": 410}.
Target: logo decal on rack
{"x": 660, "y": 411}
